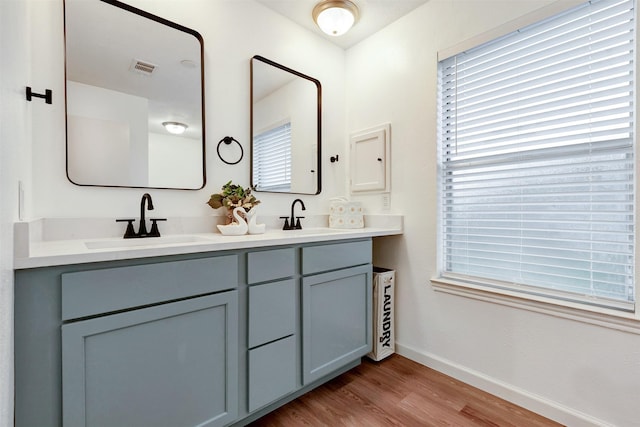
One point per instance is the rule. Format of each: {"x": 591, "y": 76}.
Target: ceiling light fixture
{"x": 335, "y": 17}
{"x": 176, "y": 128}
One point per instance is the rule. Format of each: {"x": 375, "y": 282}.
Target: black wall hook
{"x": 47, "y": 96}
{"x": 334, "y": 158}
{"x": 228, "y": 140}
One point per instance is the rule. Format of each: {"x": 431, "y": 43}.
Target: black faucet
{"x": 293, "y": 223}
{"x": 142, "y": 230}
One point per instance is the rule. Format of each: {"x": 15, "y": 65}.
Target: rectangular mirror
{"x": 286, "y": 109}
{"x": 133, "y": 82}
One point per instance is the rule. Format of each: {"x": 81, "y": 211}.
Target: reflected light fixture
{"x": 335, "y": 17}
{"x": 175, "y": 128}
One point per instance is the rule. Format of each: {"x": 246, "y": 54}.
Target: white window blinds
{"x": 272, "y": 159}
{"x": 537, "y": 158}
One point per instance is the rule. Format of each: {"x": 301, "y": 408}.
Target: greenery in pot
{"x": 231, "y": 197}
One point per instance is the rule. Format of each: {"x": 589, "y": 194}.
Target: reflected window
{"x": 272, "y": 158}
{"x": 286, "y": 122}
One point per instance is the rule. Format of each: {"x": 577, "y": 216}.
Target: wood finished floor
{"x": 399, "y": 392}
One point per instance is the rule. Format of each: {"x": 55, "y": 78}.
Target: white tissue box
{"x": 345, "y": 214}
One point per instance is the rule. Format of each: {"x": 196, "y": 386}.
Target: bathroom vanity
{"x": 199, "y": 335}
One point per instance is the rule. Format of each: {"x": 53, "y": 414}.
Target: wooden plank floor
{"x": 399, "y": 392}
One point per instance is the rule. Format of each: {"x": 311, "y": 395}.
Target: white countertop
{"x": 43, "y": 243}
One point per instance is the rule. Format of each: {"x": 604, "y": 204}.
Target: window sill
{"x": 627, "y": 322}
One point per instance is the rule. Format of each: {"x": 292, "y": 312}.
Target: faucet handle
{"x": 154, "y": 227}
{"x": 298, "y": 225}
{"x": 130, "y": 232}
{"x": 286, "y": 223}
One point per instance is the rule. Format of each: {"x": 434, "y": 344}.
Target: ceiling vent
{"x": 142, "y": 67}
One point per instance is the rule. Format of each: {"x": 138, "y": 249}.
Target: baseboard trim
{"x": 538, "y": 404}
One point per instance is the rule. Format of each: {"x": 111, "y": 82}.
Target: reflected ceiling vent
{"x": 145, "y": 68}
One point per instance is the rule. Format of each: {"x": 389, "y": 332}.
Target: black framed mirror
{"x": 286, "y": 136}
{"x": 134, "y": 98}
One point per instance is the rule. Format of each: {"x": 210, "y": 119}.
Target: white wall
{"x": 174, "y": 161}
{"x": 14, "y": 154}
{"x": 575, "y": 372}
{"x": 233, "y": 32}
{"x": 32, "y": 149}
{"x": 108, "y": 136}
{"x": 564, "y": 365}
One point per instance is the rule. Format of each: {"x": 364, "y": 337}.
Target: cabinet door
{"x": 168, "y": 365}
{"x": 336, "y": 320}
{"x": 370, "y": 160}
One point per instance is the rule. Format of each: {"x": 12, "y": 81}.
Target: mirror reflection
{"x": 285, "y": 129}
{"x": 134, "y": 98}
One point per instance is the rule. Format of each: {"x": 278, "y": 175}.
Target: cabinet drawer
{"x": 272, "y": 311}
{"x": 316, "y": 259}
{"x": 272, "y": 372}
{"x": 270, "y": 265}
{"x": 88, "y": 293}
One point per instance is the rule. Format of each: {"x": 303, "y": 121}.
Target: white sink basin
{"x": 308, "y": 231}
{"x": 143, "y": 242}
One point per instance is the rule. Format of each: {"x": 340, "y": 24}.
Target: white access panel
{"x": 370, "y": 160}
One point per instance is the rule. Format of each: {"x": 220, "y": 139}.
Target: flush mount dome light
{"x": 335, "y": 17}
{"x": 176, "y": 128}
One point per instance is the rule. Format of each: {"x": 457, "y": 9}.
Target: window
{"x": 536, "y": 156}
{"x": 272, "y": 159}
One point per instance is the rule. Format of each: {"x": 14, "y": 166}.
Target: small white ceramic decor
{"x": 345, "y": 214}
{"x": 235, "y": 229}
{"x": 252, "y": 219}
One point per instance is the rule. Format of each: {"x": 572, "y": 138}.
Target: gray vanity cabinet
{"x": 150, "y": 342}
{"x": 160, "y": 347}
{"x": 209, "y": 339}
{"x": 336, "y": 306}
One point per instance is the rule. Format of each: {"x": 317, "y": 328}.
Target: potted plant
{"x": 231, "y": 197}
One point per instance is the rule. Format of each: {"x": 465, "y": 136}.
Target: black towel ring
{"x": 228, "y": 140}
